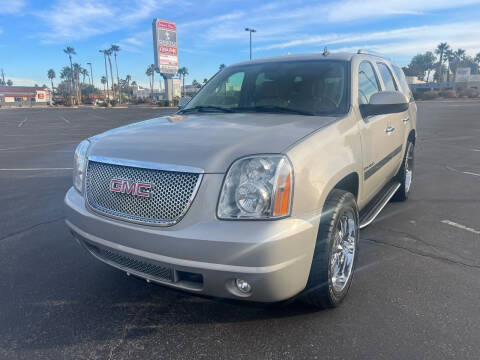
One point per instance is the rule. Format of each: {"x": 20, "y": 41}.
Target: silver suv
{"x": 257, "y": 188}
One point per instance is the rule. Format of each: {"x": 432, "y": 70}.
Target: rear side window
{"x": 387, "y": 77}
{"x": 403, "y": 81}
{"x": 367, "y": 82}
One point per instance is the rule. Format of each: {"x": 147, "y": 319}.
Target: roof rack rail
{"x": 373, "y": 53}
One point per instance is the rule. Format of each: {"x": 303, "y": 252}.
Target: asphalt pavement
{"x": 415, "y": 294}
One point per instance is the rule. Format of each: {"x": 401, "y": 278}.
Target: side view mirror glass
{"x": 385, "y": 102}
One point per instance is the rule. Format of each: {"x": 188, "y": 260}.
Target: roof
{"x": 303, "y": 57}
{"x": 21, "y": 89}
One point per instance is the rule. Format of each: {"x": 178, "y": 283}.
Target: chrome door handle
{"x": 405, "y": 119}
{"x": 389, "y": 129}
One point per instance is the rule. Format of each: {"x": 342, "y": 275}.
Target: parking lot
{"x": 415, "y": 293}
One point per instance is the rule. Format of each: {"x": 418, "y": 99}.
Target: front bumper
{"x": 203, "y": 257}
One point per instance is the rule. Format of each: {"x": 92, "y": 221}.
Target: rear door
{"x": 410, "y": 120}
{"x": 396, "y": 128}
{"x": 376, "y": 144}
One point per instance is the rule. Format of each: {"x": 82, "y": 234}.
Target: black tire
{"x": 407, "y": 164}
{"x": 320, "y": 291}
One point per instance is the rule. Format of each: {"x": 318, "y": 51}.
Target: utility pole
{"x": 91, "y": 72}
{"x": 250, "y": 30}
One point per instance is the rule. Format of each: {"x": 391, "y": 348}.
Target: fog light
{"x": 243, "y": 286}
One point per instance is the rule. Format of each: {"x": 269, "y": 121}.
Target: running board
{"x": 373, "y": 208}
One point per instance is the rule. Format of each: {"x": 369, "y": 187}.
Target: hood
{"x": 207, "y": 141}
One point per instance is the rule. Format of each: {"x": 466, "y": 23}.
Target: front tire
{"x": 405, "y": 174}
{"x": 335, "y": 253}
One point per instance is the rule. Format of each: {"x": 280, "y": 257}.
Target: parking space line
{"x": 66, "y": 120}
{"x": 39, "y": 145}
{"x": 22, "y": 122}
{"x": 36, "y": 169}
{"x": 471, "y": 173}
{"x": 460, "y": 226}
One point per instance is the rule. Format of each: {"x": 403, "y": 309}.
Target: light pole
{"x": 250, "y": 30}
{"x": 91, "y": 72}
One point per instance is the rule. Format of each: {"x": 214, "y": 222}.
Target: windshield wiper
{"x": 274, "y": 109}
{"x": 206, "y": 108}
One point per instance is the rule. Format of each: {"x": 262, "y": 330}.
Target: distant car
{"x": 258, "y": 187}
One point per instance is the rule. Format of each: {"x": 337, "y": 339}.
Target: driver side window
{"x": 367, "y": 82}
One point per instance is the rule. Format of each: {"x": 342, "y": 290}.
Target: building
{"x": 465, "y": 78}
{"x": 24, "y": 95}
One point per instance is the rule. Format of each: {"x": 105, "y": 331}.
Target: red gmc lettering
{"x": 133, "y": 188}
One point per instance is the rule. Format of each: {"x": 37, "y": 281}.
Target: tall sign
{"x": 165, "y": 46}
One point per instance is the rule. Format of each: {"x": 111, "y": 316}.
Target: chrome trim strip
{"x": 146, "y": 164}
{"x": 380, "y": 208}
{"x": 94, "y": 210}
{"x": 372, "y": 170}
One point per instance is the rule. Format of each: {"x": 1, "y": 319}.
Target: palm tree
{"x": 440, "y": 50}
{"x": 104, "y": 52}
{"x": 77, "y": 70}
{"x": 183, "y": 71}
{"x": 221, "y": 67}
{"x": 70, "y": 51}
{"x": 115, "y": 49}
{"x": 104, "y": 81}
{"x": 51, "y": 75}
{"x": 151, "y": 72}
{"x": 84, "y": 73}
{"x": 476, "y": 60}
{"x": 128, "y": 78}
{"x": 109, "y": 53}
{"x": 205, "y": 81}
{"x": 9, "y": 82}
{"x": 196, "y": 84}
{"x": 461, "y": 54}
{"x": 450, "y": 57}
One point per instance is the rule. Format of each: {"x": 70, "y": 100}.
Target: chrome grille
{"x": 132, "y": 265}
{"x": 169, "y": 198}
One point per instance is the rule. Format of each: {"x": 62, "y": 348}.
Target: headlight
{"x": 257, "y": 187}
{"x": 79, "y": 164}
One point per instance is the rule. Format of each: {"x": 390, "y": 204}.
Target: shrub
{"x": 468, "y": 92}
{"x": 425, "y": 95}
{"x": 448, "y": 94}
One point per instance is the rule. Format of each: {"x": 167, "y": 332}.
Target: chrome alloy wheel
{"x": 409, "y": 161}
{"x": 343, "y": 251}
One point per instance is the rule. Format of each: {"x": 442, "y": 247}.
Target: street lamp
{"x": 250, "y": 30}
{"x": 91, "y": 72}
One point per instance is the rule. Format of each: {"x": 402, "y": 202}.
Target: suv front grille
{"x": 170, "y": 195}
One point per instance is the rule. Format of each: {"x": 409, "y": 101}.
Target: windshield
{"x": 300, "y": 87}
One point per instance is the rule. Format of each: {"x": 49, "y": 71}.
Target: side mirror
{"x": 183, "y": 101}
{"x": 385, "y": 102}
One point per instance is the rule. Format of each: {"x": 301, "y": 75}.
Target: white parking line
{"x": 475, "y": 149}
{"x": 471, "y": 173}
{"x": 36, "y": 169}
{"x": 460, "y": 226}
{"x": 22, "y": 122}
{"x": 66, "y": 120}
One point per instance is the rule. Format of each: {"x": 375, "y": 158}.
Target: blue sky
{"x": 210, "y": 32}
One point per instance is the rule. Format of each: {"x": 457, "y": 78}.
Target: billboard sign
{"x": 165, "y": 46}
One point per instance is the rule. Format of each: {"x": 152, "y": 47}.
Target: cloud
{"x": 11, "y": 6}
{"x": 21, "y": 81}
{"x": 73, "y": 20}
{"x": 457, "y": 33}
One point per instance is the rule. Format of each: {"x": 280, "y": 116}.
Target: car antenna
{"x": 325, "y": 51}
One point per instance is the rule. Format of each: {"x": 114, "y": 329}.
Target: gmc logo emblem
{"x": 127, "y": 187}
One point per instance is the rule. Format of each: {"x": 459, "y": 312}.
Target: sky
{"x": 34, "y": 33}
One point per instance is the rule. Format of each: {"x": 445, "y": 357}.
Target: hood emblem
{"x": 130, "y": 187}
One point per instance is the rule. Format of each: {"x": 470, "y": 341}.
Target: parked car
{"x": 257, "y": 189}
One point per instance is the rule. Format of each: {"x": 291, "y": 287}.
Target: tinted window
{"x": 403, "y": 81}
{"x": 367, "y": 82}
{"x": 387, "y": 77}
{"x": 313, "y": 87}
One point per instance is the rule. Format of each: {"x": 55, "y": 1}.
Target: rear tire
{"x": 405, "y": 174}
{"x": 335, "y": 254}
